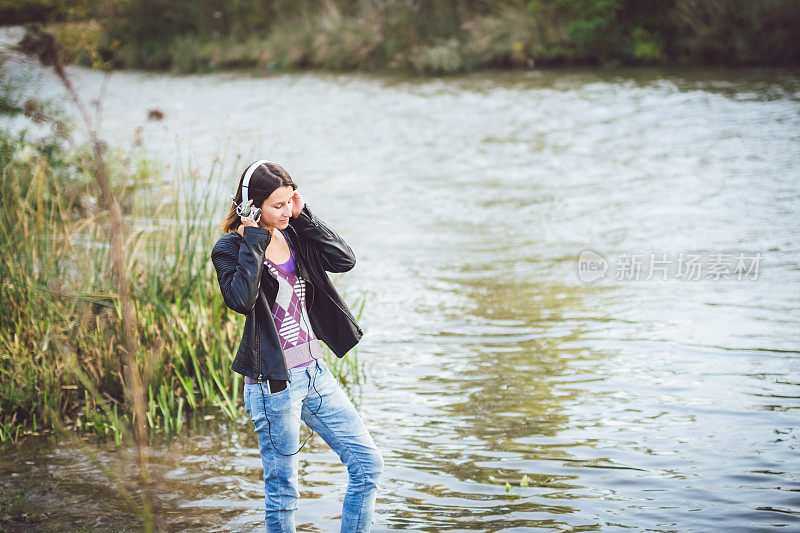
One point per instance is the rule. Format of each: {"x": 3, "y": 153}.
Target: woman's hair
{"x": 265, "y": 179}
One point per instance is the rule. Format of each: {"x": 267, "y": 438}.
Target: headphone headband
{"x": 247, "y": 175}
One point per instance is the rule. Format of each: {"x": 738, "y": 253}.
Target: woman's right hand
{"x": 246, "y": 221}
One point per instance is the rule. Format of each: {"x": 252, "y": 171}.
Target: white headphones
{"x": 247, "y": 175}
{"x": 244, "y": 210}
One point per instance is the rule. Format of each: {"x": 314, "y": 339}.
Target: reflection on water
{"x": 650, "y": 405}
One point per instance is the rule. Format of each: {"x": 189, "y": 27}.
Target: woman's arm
{"x": 333, "y": 253}
{"x": 239, "y": 269}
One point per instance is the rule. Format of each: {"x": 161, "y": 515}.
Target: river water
{"x": 663, "y": 404}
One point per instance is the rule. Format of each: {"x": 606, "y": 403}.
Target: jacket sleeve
{"x": 239, "y": 269}
{"x": 333, "y": 253}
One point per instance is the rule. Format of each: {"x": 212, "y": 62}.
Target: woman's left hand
{"x": 297, "y": 204}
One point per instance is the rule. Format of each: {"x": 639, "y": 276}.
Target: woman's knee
{"x": 377, "y": 470}
{"x": 370, "y": 468}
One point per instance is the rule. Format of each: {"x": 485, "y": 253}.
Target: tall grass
{"x": 61, "y": 326}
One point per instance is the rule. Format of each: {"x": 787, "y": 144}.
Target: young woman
{"x": 272, "y": 269}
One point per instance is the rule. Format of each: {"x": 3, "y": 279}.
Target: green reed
{"x": 60, "y": 332}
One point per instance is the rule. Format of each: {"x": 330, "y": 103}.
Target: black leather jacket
{"x": 248, "y": 288}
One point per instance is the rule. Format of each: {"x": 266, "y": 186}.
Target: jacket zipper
{"x": 257, "y": 359}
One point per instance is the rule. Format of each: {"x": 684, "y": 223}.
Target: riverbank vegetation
{"x": 63, "y": 337}
{"x": 432, "y": 36}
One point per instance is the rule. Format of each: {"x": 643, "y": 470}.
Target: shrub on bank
{"x": 440, "y": 36}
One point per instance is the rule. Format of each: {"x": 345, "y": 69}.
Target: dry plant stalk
{"x": 43, "y": 46}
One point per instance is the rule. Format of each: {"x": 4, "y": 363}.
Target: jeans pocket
{"x": 264, "y": 404}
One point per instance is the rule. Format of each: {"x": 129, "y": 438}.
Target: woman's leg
{"x": 276, "y": 417}
{"x": 329, "y": 412}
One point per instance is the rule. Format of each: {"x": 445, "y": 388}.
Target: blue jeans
{"x": 313, "y": 395}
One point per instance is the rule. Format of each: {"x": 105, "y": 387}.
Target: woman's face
{"x": 277, "y": 209}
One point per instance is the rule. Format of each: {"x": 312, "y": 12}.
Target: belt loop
{"x": 316, "y": 362}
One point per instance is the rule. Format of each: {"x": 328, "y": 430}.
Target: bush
{"x": 747, "y": 32}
